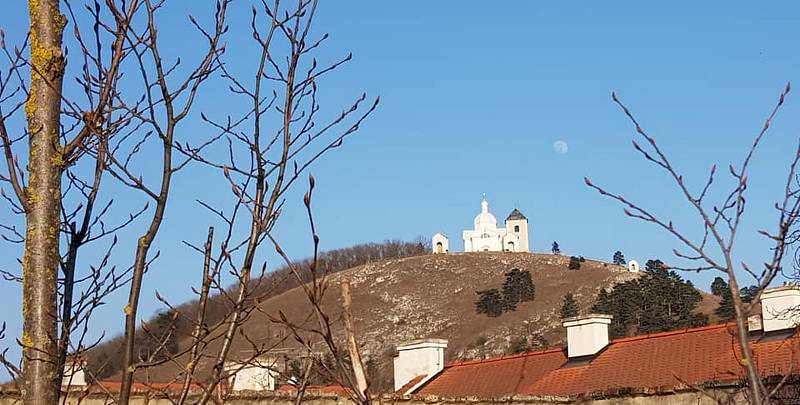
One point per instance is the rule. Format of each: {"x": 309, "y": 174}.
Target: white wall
{"x": 74, "y": 375}
{"x": 522, "y": 234}
{"x": 511, "y": 243}
{"x": 475, "y": 242}
{"x": 259, "y": 376}
{"x": 439, "y": 238}
{"x": 587, "y": 335}
{"x": 420, "y": 357}
{"x": 780, "y": 308}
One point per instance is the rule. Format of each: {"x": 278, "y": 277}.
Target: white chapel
{"x": 487, "y": 237}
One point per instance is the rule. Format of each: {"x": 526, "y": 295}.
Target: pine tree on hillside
{"x": 518, "y": 287}
{"x": 654, "y": 265}
{"x": 658, "y": 301}
{"x": 748, "y": 294}
{"x": 601, "y": 303}
{"x": 725, "y": 311}
{"x": 490, "y": 302}
{"x": 556, "y": 250}
{"x": 719, "y": 287}
{"x": 619, "y": 258}
{"x": 569, "y": 307}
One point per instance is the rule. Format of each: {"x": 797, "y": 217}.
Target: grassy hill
{"x": 432, "y": 296}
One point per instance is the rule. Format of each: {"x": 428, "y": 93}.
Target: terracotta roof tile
{"x": 494, "y": 377}
{"x": 663, "y": 360}
{"x": 409, "y": 385}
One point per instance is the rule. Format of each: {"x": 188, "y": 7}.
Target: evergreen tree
{"x": 747, "y": 294}
{"x": 518, "y": 287}
{"x": 619, "y": 258}
{"x": 490, "y": 302}
{"x": 574, "y": 263}
{"x": 556, "y": 250}
{"x": 601, "y": 303}
{"x": 658, "y": 301}
{"x": 725, "y": 310}
{"x": 719, "y": 287}
{"x": 654, "y": 265}
{"x": 569, "y": 307}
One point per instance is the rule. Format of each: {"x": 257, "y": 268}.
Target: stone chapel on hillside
{"x": 487, "y": 237}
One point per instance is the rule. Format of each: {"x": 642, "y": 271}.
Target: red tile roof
{"x": 409, "y": 385}
{"x": 657, "y": 361}
{"x": 324, "y": 389}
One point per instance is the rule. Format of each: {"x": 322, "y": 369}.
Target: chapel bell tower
{"x": 517, "y": 224}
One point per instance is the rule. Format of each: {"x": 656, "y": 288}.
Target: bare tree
{"x": 319, "y": 325}
{"x": 76, "y": 144}
{"x": 262, "y": 165}
{"x": 714, "y": 251}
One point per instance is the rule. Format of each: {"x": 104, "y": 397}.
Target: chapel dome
{"x": 485, "y": 220}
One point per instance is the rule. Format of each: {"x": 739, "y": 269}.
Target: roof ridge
{"x": 503, "y": 357}
{"x": 672, "y": 332}
{"x": 613, "y": 341}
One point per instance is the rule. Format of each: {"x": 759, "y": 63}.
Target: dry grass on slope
{"x": 432, "y": 296}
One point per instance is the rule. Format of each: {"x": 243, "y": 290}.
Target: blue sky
{"x": 473, "y": 98}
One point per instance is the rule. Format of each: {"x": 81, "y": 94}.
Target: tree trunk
{"x": 352, "y": 346}
{"x": 40, "y": 260}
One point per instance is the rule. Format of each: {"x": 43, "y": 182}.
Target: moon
{"x": 560, "y": 147}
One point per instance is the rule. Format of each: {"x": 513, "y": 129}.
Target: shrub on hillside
{"x": 490, "y": 302}
{"x": 518, "y": 344}
{"x": 517, "y": 288}
{"x": 569, "y": 307}
{"x": 574, "y": 263}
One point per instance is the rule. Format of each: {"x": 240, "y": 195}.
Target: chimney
{"x": 74, "y": 373}
{"x": 780, "y": 307}
{"x": 587, "y": 335}
{"x": 424, "y": 357}
{"x": 754, "y": 323}
{"x": 257, "y": 375}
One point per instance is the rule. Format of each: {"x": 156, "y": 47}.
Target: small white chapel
{"x": 487, "y": 237}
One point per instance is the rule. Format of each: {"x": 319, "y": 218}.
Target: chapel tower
{"x": 517, "y": 224}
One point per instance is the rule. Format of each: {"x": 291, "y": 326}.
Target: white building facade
{"x": 487, "y": 237}
{"x": 440, "y": 244}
